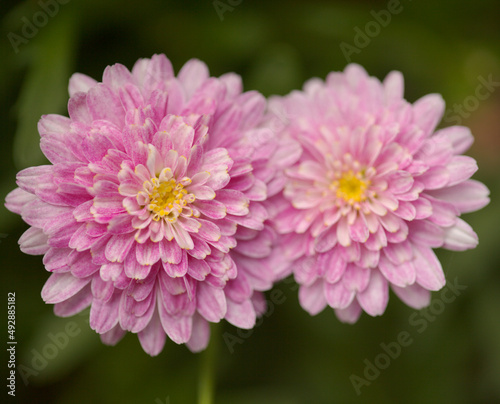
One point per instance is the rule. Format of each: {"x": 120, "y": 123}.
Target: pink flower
{"x": 375, "y": 190}
{"x": 154, "y": 181}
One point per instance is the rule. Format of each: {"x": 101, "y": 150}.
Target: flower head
{"x": 155, "y": 179}
{"x": 375, "y": 190}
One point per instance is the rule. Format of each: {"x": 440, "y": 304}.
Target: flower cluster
{"x": 152, "y": 210}
{"x": 375, "y": 190}
{"x": 172, "y": 202}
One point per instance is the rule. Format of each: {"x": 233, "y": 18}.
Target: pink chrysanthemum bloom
{"x": 375, "y": 190}
{"x": 154, "y": 181}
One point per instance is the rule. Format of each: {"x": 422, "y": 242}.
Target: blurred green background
{"x": 290, "y": 357}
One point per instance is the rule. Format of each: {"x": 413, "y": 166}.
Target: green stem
{"x": 207, "y": 371}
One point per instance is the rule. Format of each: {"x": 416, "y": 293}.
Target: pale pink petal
{"x": 211, "y": 303}
{"x": 312, "y": 298}
{"x": 350, "y": 314}
{"x": 34, "y": 242}
{"x": 338, "y": 296}
{"x": 374, "y": 298}
{"x": 200, "y": 334}
{"x": 60, "y": 287}
{"x": 460, "y": 237}
{"x": 401, "y": 274}
{"x": 152, "y": 338}
{"x": 467, "y": 196}
{"x": 74, "y": 304}
{"x": 80, "y": 83}
{"x": 428, "y": 268}
{"x": 241, "y": 315}
{"x": 413, "y": 295}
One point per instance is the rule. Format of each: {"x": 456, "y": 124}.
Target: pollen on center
{"x": 351, "y": 187}
{"x": 168, "y": 197}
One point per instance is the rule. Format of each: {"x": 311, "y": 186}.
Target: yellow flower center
{"x": 168, "y": 198}
{"x": 351, "y": 187}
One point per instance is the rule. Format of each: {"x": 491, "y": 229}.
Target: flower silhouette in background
{"x": 375, "y": 190}
{"x": 153, "y": 210}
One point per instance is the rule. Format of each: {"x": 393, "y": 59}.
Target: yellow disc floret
{"x": 351, "y": 187}
{"x": 168, "y": 198}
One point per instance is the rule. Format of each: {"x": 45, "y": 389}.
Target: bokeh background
{"x": 443, "y": 46}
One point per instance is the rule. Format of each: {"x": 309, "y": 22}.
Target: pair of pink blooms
{"x": 172, "y": 202}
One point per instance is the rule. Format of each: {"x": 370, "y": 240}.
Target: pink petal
{"x": 80, "y": 83}
{"x": 406, "y": 211}
{"x": 170, "y": 251}
{"x": 152, "y": 338}
{"x": 467, "y": 196}
{"x": 147, "y": 253}
{"x": 460, "y": 137}
{"x": 200, "y": 334}
{"x": 74, "y": 304}
{"x": 241, "y": 315}
{"x": 208, "y": 231}
{"x": 178, "y": 328}
{"x": 402, "y": 274}
{"x": 374, "y": 298}
{"x": 326, "y": 240}
{"x": 393, "y": 87}
{"x": 358, "y": 231}
{"x": 17, "y": 199}
{"x": 60, "y": 287}
{"x": 350, "y": 314}
{"x": 113, "y": 336}
{"x": 104, "y": 104}
{"x": 343, "y": 232}
{"x": 104, "y": 314}
{"x": 236, "y": 202}
{"x": 192, "y": 75}
{"x": 399, "y": 252}
{"x": 176, "y": 270}
{"x": 356, "y": 278}
{"x": 211, "y": 303}
{"x": 413, "y": 295}
{"x": 212, "y": 209}
{"x": 34, "y": 242}
{"x": 198, "y": 269}
{"x": 133, "y": 269}
{"x": 460, "y": 237}
{"x": 182, "y": 237}
{"x": 429, "y": 271}
{"x": 312, "y": 298}
{"x": 338, "y": 296}
{"x": 200, "y": 249}
{"x": 428, "y": 111}
{"x": 434, "y": 178}
{"x": 305, "y": 269}
{"x": 118, "y": 247}
{"x": 460, "y": 168}
{"x": 426, "y": 233}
